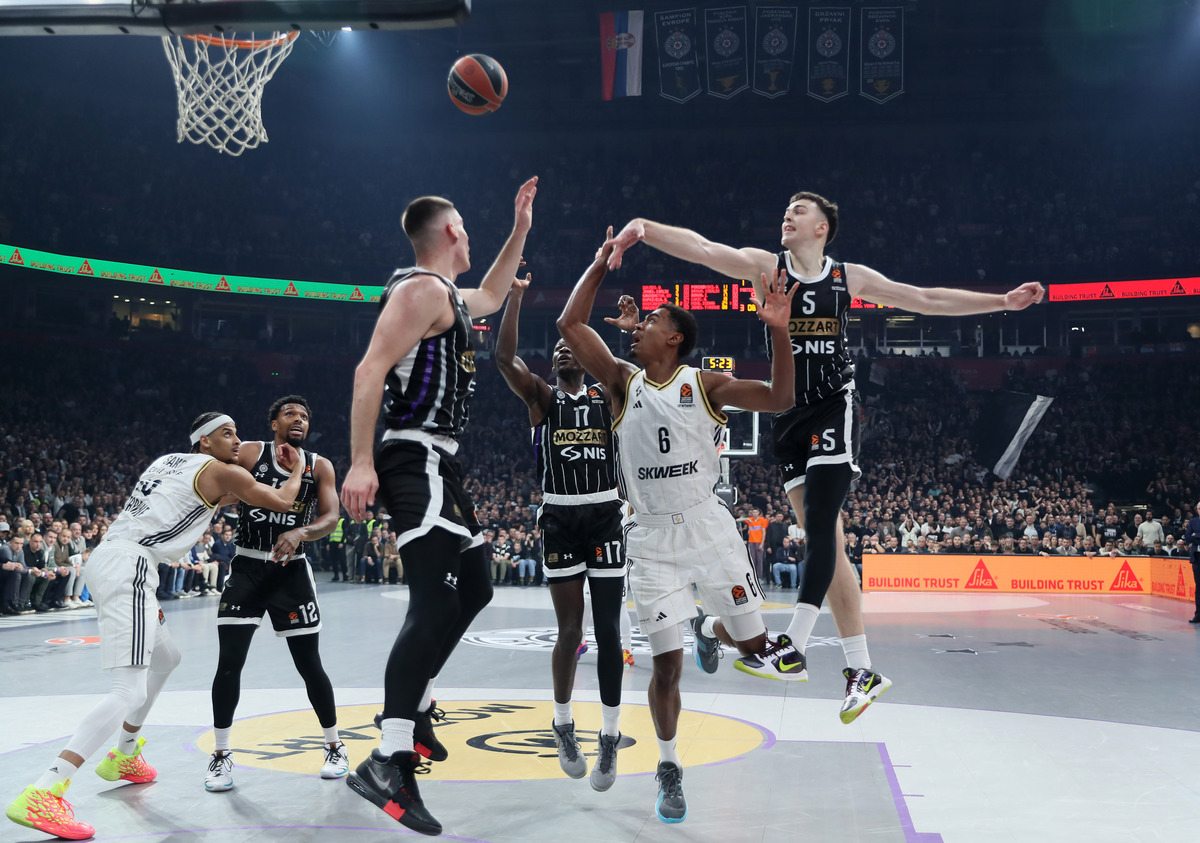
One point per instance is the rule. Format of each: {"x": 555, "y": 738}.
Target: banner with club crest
{"x": 728, "y": 57}
{"x": 678, "y": 66}
{"x": 828, "y": 52}
{"x": 882, "y": 34}
{"x": 774, "y": 50}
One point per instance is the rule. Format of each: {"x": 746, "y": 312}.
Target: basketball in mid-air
{"x": 477, "y": 84}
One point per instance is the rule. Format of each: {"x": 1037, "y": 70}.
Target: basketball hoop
{"x": 219, "y": 84}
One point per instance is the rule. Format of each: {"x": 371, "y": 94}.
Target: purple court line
{"x": 911, "y": 835}
{"x": 375, "y": 829}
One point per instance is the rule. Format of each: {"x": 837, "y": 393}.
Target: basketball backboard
{"x": 193, "y": 17}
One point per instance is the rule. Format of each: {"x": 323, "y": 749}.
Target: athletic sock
{"x": 331, "y": 735}
{"x": 562, "y": 713}
{"x": 804, "y": 618}
{"x": 60, "y": 771}
{"x": 612, "y": 720}
{"x": 709, "y": 627}
{"x": 666, "y": 751}
{"x": 127, "y": 743}
{"x": 221, "y": 739}
{"x": 855, "y": 648}
{"x": 397, "y": 736}
{"x": 427, "y": 700}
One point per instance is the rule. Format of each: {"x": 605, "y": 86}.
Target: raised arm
{"x": 534, "y": 391}
{"x": 412, "y": 309}
{"x": 495, "y": 285}
{"x": 218, "y": 479}
{"x": 687, "y": 245}
{"x": 587, "y": 346}
{"x": 780, "y": 394}
{"x": 864, "y": 282}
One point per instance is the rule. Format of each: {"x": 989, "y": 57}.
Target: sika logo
{"x": 685, "y": 394}
{"x": 1126, "y": 580}
{"x": 1181, "y": 586}
{"x": 981, "y": 577}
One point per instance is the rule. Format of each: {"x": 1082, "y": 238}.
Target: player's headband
{"x": 206, "y": 429}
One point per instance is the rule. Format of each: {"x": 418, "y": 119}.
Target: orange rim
{"x": 221, "y": 41}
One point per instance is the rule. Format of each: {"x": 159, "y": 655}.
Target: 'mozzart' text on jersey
{"x": 165, "y": 513}
{"x": 259, "y": 528}
{"x": 667, "y": 443}
{"x": 430, "y": 388}
{"x": 820, "y": 311}
{"x": 574, "y": 449}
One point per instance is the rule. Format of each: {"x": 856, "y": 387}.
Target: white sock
{"x": 221, "y": 738}
{"x": 666, "y": 752}
{"x": 397, "y": 736}
{"x": 855, "y": 648}
{"x": 562, "y": 713}
{"x": 127, "y": 742}
{"x": 612, "y": 720}
{"x": 804, "y": 618}
{"x": 427, "y": 700}
{"x": 709, "y": 627}
{"x": 331, "y": 735}
{"x": 626, "y": 628}
{"x": 60, "y": 771}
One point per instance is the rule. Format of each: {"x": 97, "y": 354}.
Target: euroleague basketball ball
{"x": 477, "y": 84}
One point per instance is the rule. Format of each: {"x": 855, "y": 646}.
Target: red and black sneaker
{"x": 391, "y": 784}
{"x": 425, "y": 742}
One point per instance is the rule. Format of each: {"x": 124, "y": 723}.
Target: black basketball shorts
{"x": 421, "y": 486}
{"x": 582, "y": 540}
{"x": 287, "y": 593}
{"x": 821, "y": 434}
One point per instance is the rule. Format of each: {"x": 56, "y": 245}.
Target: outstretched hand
{"x": 633, "y": 231}
{"x": 776, "y": 308}
{"x": 519, "y": 284}
{"x": 606, "y": 248}
{"x": 524, "y": 205}
{"x": 1031, "y": 292}
{"x": 628, "y": 319}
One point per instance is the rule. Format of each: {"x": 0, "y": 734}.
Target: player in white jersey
{"x": 169, "y": 509}
{"x": 668, "y": 426}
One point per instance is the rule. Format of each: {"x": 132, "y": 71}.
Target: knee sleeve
{"x": 166, "y": 656}
{"x": 826, "y": 490}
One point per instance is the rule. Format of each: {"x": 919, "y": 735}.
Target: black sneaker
{"x": 424, "y": 740}
{"x": 706, "y": 648}
{"x": 671, "y": 807}
{"x": 391, "y": 784}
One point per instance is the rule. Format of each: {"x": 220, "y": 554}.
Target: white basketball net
{"x": 219, "y": 84}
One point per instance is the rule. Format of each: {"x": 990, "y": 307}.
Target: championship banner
{"x": 1006, "y": 574}
{"x": 882, "y": 41}
{"x": 774, "y": 50}
{"x": 828, "y": 53}
{"x": 728, "y": 58}
{"x": 620, "y": 54}
{"x": 678, "y": 66}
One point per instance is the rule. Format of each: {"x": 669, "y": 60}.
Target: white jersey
{"x": 166, "y": 514}
{"x": 668, "y": 438}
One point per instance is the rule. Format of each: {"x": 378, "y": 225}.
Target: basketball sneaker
{"x": 569, "y": 757}
{"x": 220, "y": 773}
{"x": 706, "y": 648}
{"x": 671, "y": 807}
{"x": 863, "y": 687}
{"x": 627, "y": 658}
{"x": 604, "y": 773}
{"x": 337, "y": 761}
{"x": 780, "y": 660}
{"x": 425, "y": 742}
{"x": 391, "y": 784}
{"x": 132, "y": 768}
{"x": 46, "y": 810}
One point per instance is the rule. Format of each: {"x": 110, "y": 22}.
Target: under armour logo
{"x": 452, "y": 581}
{"x": 662, "y": 616}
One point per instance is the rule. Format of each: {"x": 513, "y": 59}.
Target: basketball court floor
{"x": 1012, "y": 718}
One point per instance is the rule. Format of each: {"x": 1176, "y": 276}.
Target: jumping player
{"x": 816, "y": 441}
{"x": 170, "y": 508}
{"x": 668, "y": 426}
{"x": 270, "y": 574}
{"x": 421, "y": 365}
{"x": 580, "y": 519}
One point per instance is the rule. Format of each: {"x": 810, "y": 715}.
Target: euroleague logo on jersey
{"x": 685, "y": 394}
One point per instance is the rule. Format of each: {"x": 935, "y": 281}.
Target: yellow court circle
{"x": 489, "y": 740}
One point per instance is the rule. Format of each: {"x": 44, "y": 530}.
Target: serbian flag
{"x": 621, "y": 54}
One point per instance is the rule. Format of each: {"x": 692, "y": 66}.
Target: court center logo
{"x": 489, "y": 740}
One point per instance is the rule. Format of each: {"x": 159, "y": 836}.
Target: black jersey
{"x": 259, "y": 528}
{"x": 430, "y": 388}
{"x": 820, "y": 312}
{"x": 573, "y": 445}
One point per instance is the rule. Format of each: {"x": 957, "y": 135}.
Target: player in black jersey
{"x": 581, "y": 522}
{"x": 420, "y": 364}
{"x": 816, "y": 442}
{"x": 270, "y": 574}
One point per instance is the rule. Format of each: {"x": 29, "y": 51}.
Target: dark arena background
{"x": 1045, "y": 672}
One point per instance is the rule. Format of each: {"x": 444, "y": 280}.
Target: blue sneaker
{"x": 671, "y": 807}
{"x": 706, "y": 648}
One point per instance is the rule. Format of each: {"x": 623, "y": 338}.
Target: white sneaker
{"x": 220, "y": 773}
{"x": 337, "y": 762}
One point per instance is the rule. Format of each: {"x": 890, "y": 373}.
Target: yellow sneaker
{"x": 132, "y": 768}
{"x": 47, "y": 811}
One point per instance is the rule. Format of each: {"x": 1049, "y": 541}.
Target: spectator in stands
{"x": 785, "y": 562}
{"x": 222, "y": 552}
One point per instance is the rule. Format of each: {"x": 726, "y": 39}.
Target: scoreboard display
{"x": 717, "y": 364}
{"x": 723, "y": 295}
